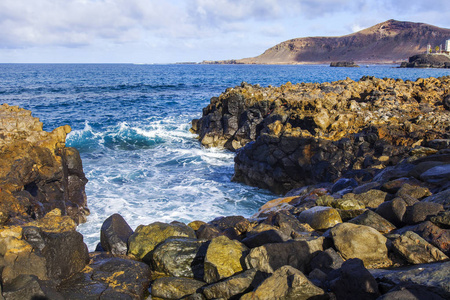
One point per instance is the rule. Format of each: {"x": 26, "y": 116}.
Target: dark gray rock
{"x": 286, "y": 222}
{"x": 265, "y": 237}
{"x": 441, "y": 198}
{"x": 327, "y": 261}
{"x": 421, "y": 211}
{"x": 30, "y": 287}
{"x": 344, "y": 184}
{"x": 114, "y": 235}
{"x": 393, "y": 211}
{"x": 238, "y": 223}
{"x": 434, "y": 276}
{"x": 410, "y": 292}
{"x": 207, "y": 232}
{"x": 108, "y": 277}
{"x": 269, "y": 257}
{"x": 354, "y": 281}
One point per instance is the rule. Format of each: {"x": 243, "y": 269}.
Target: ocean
{"x": 131, "y": 125}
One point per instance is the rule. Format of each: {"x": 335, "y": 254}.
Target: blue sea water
{"x": 131, "y": 125}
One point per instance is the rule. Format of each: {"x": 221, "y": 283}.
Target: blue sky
{"x": 156, "y": 31}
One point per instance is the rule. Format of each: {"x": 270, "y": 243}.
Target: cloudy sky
{"x": 157, "y": 31}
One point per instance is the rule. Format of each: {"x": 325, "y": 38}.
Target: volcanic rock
{"x": 37, "y": 172}
{"x": 359, "y": 241}
{"x": 145, "y": 238}
{"x": 114, "y": 235}
{"x": 282, "y": 142}
{"x": 224, "y": 258}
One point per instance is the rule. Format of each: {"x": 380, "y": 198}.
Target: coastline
{"x": 401, "y": 198}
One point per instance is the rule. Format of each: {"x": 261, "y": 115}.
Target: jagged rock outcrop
{"x": 385, "y": 42}
{"x": 427, "y": 61}
{"x": 296, "y": 135}
{"x": 38, "y": 173}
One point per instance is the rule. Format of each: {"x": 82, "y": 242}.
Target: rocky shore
{"x": 365, "y": 217}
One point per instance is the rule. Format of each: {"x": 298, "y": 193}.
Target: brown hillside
{"x": 387, "y": 42}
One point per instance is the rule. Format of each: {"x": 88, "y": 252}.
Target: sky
{"x": 157, "y": 31}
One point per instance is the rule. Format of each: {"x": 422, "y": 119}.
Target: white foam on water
{"x": 174, "y": 180}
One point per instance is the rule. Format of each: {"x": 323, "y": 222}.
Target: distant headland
{"x": 388, "y": 42}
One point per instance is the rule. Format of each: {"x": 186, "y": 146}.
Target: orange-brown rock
{"x": 309, "y": 132}
{"x": 37, "y": 172}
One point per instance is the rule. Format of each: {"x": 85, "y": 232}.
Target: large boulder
{"x": 49, "y": 248}
{"x": 180, "y": 257}
{"x": 354, "y": 281}
{"x": 114, "y": 235}
{"x": 288, "y": 283}
{"x": 433, "y": 276}
{"x": 108, "y": 277}
{"x": 363, "y": 242}
{"x": 224, "y": 258}
{"x": 145, "y": 238}
{"x": 270, "y": 257}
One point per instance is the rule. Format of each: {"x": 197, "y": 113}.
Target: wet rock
{"x": 359, "y": 241}
{"x": 422, "y": 211}
{"x": 196, "y": 224}
{"x": 374, "y": 220}
{"x": 320, "y": 217}
{"x": 393, "y": 211}
{"x": 175, "y": 287}
{"x": 416, "y": 250}
{"x": 230, "y": 287}
{"x": 180, "y": 257}
{"x": 348, "y": 203}
{"x": 327, "y": 261}
{"x": 274, "y": 206}
{"x": 298, "y": 254}
{"x": 224, "y": 258}
{"x": 114, "y": 235}
{"x": 108, "y": 277}
{"x": 354, "y": 281}
{"x": 145, "y": 238}
{"x": 433, "y": 276}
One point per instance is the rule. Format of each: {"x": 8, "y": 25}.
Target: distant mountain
{"x": 387, "y": 42}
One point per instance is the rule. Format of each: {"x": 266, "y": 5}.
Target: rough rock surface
{"x": 365, "y": 243}
{"x": 145, "y": 238}
{"x": 37, "y": 172}
{"x": 296, "y": 135}
{"x": 427, "y": 61}
{"x": 224, "y": 258}
{"x": 288, "y": 283}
